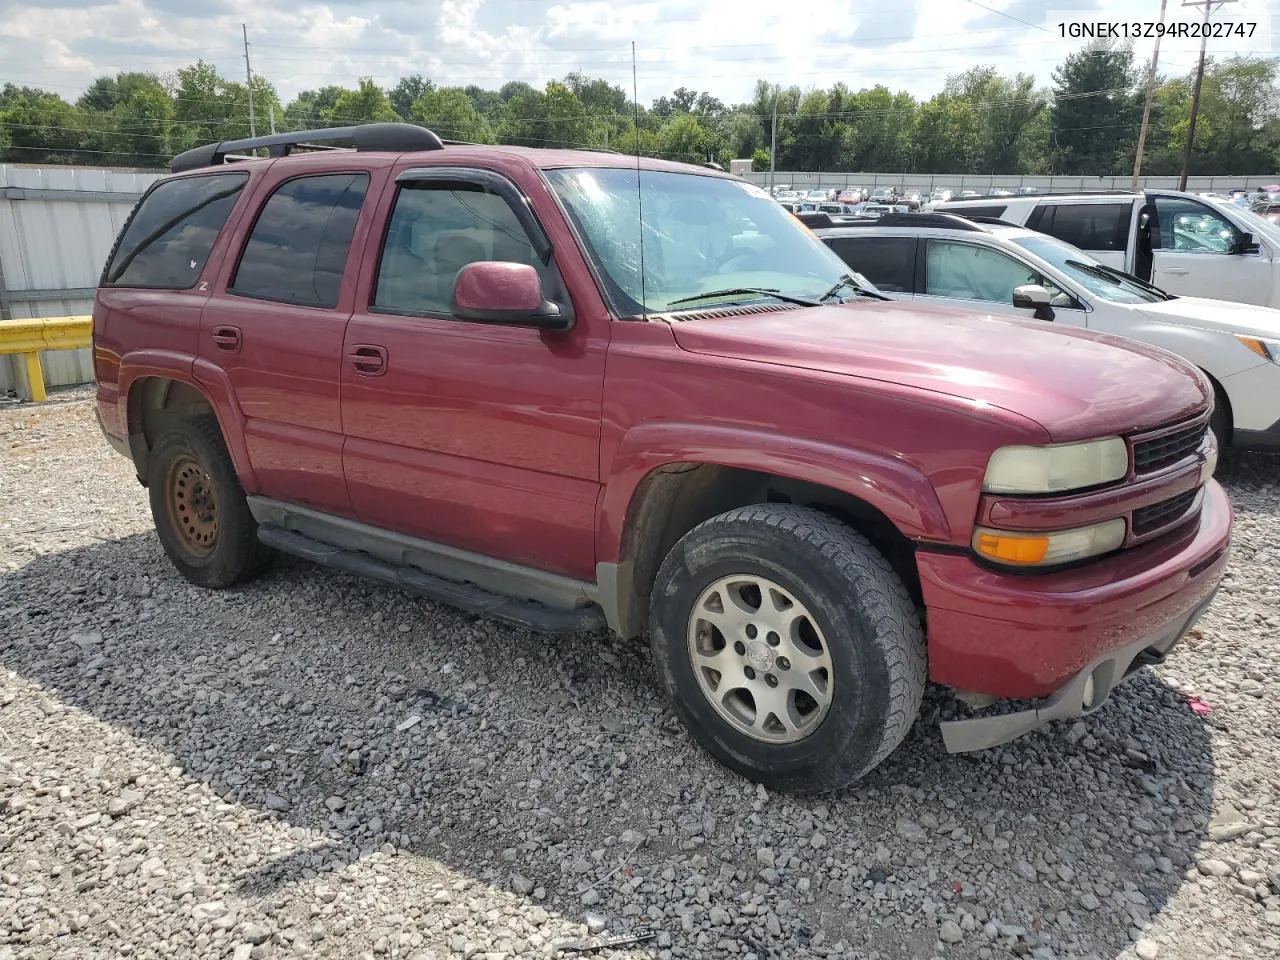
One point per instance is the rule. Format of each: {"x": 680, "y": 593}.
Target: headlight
{"x": 1048, "y": 549}
{"x": 1266, "y": 349}
{"x": 1058, "y": 467}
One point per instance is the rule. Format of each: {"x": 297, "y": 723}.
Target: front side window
{"x": 170, "y": 235}
{"x": 1187, "y": 226}
{"x": 1089, "y": 226}
{"x": 888, "y": 262}
{"x": 298, "y": 249}
{"x": 436, "y": 229}
{"x": 701, "y": 234}
{"x": 967, "y": 271}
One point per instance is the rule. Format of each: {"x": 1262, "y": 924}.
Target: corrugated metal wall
{"x": 57, "y": 225}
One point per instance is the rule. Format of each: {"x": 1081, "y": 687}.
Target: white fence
{"x": 984, "y": 182}
{"x": 57, "y": 225}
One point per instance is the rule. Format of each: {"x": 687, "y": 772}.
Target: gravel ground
{"x": 319, "y": 766}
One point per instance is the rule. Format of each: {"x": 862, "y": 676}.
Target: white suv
{"x": 1185, "y": 243}
{"x": 953, "y": 261}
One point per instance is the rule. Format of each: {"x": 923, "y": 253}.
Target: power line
{"x": 1009, "y": 16}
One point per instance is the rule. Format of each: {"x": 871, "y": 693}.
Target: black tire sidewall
{"x": 234, "y": 552}
{"x": 850, "y": 736}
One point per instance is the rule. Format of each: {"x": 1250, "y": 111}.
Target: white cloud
{"x": 716, "y": 45}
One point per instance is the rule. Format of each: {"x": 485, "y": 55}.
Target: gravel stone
{"x": 191, "y": 773}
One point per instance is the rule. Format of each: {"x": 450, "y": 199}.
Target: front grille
{"x": 1158, "y": 515}
{"x": 1150, "y": 455}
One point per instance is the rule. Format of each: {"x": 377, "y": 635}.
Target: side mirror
{"x": 492, "y": 291}
{"x": 1032, "y": 296}
{"x": 1245, "y": 244}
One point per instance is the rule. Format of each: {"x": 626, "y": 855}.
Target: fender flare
{"x": 210, "y": 380}
{"x": 895, "y": 487}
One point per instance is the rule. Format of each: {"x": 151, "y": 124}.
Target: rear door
{"x": 275, "y": 325}
{"x": 1194, "y": 252}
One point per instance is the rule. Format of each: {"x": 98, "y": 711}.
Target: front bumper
{"x": 1079, "y": 697}
{"x": 1024, "y": 636}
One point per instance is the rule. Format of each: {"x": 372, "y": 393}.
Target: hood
{"x": 1075, "y": 384}
{"x": 1223, "y": 316}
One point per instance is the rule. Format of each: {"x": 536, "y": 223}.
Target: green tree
{"x": 1239, "y": 98}
{"x": 208, "y": 107}
{"x": 878, "y": 135}
{"x": 452, "y": 115}
{"x": 406, "y": 93}
{"x": 368, "y": 103}
{"x": 760, "y": 161}
{"x": 948, "y": 137}
{"x": 1096, "y": 110}
{"x": 684, "y": 138}
{"x": 1006, "y": 107}
{"x": 488, "y": 103}
{"x": 41, "y": 127}
{"x": 129, "y": 118}
{"x": 306, "y": 111}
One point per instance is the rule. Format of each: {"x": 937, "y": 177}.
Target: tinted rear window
{"x": 1089, "y": 226}
{"x": 888, "y": 262}
{"x": 170, "y": 235}
{"x": 297, "y": 251}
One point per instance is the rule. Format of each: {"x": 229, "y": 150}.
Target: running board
{"x": 466, "y": 596}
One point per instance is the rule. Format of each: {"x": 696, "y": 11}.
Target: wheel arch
{"x": 670, "y": 499}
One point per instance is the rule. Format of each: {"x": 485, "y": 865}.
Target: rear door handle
{"x": 368, "y": 359}
{"x": 227, "y": 338}
{"x": 1176, "y": 271}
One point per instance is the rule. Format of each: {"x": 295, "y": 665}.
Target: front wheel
{"x": 788, "y": 646}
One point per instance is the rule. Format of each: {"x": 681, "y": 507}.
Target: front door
{"x": 275, "y": 325}
{"x": 478, "y": 436}
{"x": 955, "y": 273}
{"x": 1194, "y": 254}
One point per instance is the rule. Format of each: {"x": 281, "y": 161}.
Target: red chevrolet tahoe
{"x": 574, "y": 390}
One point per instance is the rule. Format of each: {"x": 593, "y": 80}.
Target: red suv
{"x": 574, "y": 390}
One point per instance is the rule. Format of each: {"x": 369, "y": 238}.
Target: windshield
{"x": 1064, "y": 257}
{"x": 1259, "y": 226}
{"x": 700, "y": 234}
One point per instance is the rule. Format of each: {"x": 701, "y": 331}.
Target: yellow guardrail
{"x": 28, "y": 338}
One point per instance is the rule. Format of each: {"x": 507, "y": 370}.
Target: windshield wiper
{"x": 734, "y": 291}
{"x": 1118, "y": 277}
{"x": 850, "y": 281}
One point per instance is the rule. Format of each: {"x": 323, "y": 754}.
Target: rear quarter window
{"x": 168, "y": 239}
{"x": 888, "y": 262}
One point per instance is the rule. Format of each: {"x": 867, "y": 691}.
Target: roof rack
{"x": 992, "y": 221}
{"x": 945, "y": 221}
{"x": 395, "y": 137}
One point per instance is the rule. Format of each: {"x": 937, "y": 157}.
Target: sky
{"x": 721, "y": 46}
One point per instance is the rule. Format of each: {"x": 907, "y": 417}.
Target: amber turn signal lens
{"x": 1007, "y": 548}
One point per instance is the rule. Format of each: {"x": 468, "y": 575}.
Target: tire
{"x": 858, "y": 611}
{"x": 1220, "y": 423}
{"x": 199, "y": 507}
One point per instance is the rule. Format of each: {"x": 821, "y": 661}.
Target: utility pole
{"x": 248, "y": 73}
{"x": 1146, "y": 109}
{"x": 271, "y": 113}
{"x": 1209, "y": 7}
{"x": 773, "y": 144}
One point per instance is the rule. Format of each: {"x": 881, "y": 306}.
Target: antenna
{"x": 248, "y": 75}
{"x": 635, "y": 96}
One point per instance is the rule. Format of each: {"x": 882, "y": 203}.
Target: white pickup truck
{"x": 1184, "y": 243}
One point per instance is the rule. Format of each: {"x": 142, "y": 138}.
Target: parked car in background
{"x": 1185, "y": 244}
{"x": 999, "y": 192}
{"x": 1269, "y": 212}
{"x": 948, "y": 260}
{"x": 871, "y": 211}
{"x": 849, "y": 196}
{"x": 443, "y": 367}
{"x": 1025, "y": 191}
{"x": 966, "y": 194}
{"x": 884, "y": 195}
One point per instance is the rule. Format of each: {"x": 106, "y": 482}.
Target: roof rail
{"x": 990, "y": 221}
{"x": 396, "y": 137}
{"x": 944, "y": 221}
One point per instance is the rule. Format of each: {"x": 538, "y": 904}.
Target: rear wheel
{"x": 199, "y": 507}
{"x": 788, "y": 646}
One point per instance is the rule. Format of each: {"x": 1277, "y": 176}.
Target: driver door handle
{"x": 1176, "y": 271}
{"x": 368, "y": 359}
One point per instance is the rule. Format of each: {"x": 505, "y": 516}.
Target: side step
{"x": 466, "y": 596}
